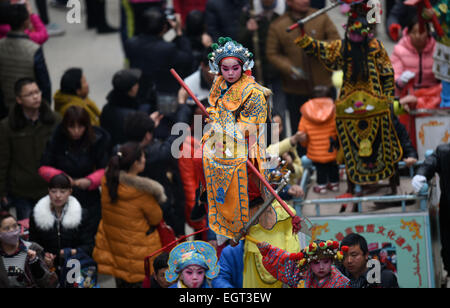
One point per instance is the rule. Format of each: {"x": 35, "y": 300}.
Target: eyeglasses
{"x": 37, "y": 92}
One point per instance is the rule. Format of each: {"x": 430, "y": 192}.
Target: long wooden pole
{"x": 312, "y": 16}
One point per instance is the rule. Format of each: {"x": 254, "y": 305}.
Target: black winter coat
{"x": 114, "y": 113}
{"x": 78, "y": 162}
{"x": 75, "y": 230}
{"x": 162, "y": 167}
{"x": 155, "y": 57}
{"x": 245, "y": 37}
{"x": 387, "y": 277}
{"x": 439, "y": 162}
{"x": 222, "y": 18}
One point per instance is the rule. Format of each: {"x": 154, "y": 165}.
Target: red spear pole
{"x": 295, "y": 219}
{"x": 420, "y": 5}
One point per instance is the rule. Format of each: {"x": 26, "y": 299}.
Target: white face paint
{"x": 349, "y": 110}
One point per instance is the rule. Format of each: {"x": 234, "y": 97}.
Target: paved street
{"x": 100, "y": 56}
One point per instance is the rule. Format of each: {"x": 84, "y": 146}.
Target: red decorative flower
{"x": 296, "y": 256}
{"x": 335, "y": 244}
{"x": 344, "y": 248}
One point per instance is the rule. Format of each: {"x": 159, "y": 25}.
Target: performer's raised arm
{"x": 329, "y": 53}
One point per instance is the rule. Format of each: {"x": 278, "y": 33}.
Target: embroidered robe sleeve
{"x": 276, "y": 262}
{"x": 386, "y": 72}
{"x": 328, "y": 53}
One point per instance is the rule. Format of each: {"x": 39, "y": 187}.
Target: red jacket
{"x": 191, "y": 175}
{"x": 184, "y": 7}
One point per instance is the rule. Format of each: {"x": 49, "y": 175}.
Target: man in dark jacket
{"x": 439, "y": 162}
{"x": 355, "y": 265}
{"x": 299, "y": 73}
{"x": 122, "y": 101}
{"x": 161, "y": 164}
{"x": 257, "y": 22}
{"x": 20, "y": 57}
{"x": 222, "y": 18}
{"x": 23, "y": 137}
{"x": 150, "y": 53}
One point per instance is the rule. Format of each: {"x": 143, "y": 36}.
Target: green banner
{"x": 399, "y": 241}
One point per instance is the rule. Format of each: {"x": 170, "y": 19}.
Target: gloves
{"x": 417, "y": 182}
{"x": 297, "y": 73}
{"x": 406, "y": 77}
{"x": 394, "y": 32}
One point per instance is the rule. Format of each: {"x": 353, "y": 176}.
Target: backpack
{"x": 88, "y": 271}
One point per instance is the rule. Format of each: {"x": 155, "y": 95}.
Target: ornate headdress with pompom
{"x": 319, "y": 250}
{"x": 192, "y": 253}
{"x": 358, "y": 19}
{"x": 226, "y": 47}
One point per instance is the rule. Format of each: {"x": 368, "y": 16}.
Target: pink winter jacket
{"x": 47, "y": 173}
{"x": 39, "y": 34}
{"x": 406, "y": 58}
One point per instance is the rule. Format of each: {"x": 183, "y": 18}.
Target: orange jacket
{"x": 319, "y": 123}
{"x": 122, "y": 242}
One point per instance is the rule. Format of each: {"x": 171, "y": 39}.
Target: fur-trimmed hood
{"x": 144, "y": 184}
{"x": 45, "y": 219}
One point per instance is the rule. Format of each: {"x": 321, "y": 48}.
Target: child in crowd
{"x": 160, "y": 267}
{"x": 318, "y": 125}
{"x": 312, "y": 267}
{"x": 192, "y": 265}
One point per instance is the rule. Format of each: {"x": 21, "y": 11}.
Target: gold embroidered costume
{"x": 236, "y": 112}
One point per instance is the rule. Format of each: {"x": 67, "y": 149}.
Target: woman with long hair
{"x": 130, "y": 215}
{"x": 81, "y": 151}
